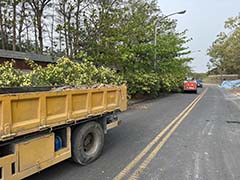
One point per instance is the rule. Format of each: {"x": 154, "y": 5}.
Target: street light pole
{"x": 196, "y": 51}
{"x": 161, "y": 19}
{"x": 156, "y": 28}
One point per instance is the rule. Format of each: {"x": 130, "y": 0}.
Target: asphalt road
{"x": 206, "y": 145}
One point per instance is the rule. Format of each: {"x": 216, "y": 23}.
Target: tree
{"x": 121, "y": 36}
{"x": 38, "y": 7}
{"x": 117, "y": 34}
{"x": 224, "y": 52}
{"x": 2, "y": 26}
{"x": 6, "y": 24}
{"x": 22, "y": 15}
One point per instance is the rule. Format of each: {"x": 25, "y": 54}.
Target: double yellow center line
{"x": 167, "y": 131}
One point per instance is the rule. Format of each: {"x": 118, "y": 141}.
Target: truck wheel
{"x": 87, "y": 143}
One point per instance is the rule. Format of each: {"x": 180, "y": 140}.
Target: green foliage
{"x": 154, "y": 83}
{"x": 117, "y": 39}
{"x": 199, "y": 75}
{"x": 224, "y": 51}
{"x": 67, "y": 72}
{"x": 10, "y": 77}
{"x": 125, "y": 42}
{"x": 64, "y": 72}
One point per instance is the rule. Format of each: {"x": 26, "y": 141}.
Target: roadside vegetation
{"x": 224, "y": 51}
{"x": 108, "y": 41}
{"x": 64, "y": 72}
{"x": 201, "y": 76}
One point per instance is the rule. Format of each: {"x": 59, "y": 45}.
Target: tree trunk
{"x": 2, "y": 29}
{"x": 21, "y": 22}
{"x": 52, "y": 32}
{"x": 35, "y": 35}
{"x": 76, "y": 33}
{"x": 28, "y": 40}
{"x": 6, "y": 35}
{"x": 38, "y": 8}
{"x": 65, "y": 29}
{"x": 39, "y": 27}
{"x": 69, "y": 36}
{"x": 14, "y": 25}
{"x": 60, "y": 41}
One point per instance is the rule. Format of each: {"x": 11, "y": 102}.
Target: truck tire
{"x": 87, "y": 143}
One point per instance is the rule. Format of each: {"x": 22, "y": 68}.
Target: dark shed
{"x": 20, "y": 57}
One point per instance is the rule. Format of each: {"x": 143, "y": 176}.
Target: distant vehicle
{"x": 190, "y": 85}
{"x": 199, "y": 83}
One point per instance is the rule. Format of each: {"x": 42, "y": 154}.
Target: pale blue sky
{"x": 204, "y": 20}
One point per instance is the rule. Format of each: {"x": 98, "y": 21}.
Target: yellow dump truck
{"x": 42, "y": 127}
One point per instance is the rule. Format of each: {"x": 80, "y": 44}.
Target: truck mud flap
{"x": 113, "y": 124}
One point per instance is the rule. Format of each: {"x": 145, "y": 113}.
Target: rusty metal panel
{"x": 79, "y": 105}
{"x": 56, "y": 109}
{"x": 35, "y": 151}
{"x": 97, "y": 102}
{"x": 31, "y": 156}
{"x": 123, "y": 98}
{"x": 25, "y": 113}
{"x": 112, "y": 99}
{"x": 5, "y": 164}
{"x": 1, "y": 119}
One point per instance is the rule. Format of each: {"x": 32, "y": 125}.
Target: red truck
{"x": 190, "y": 85}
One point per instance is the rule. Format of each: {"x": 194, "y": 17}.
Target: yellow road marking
{"x": 153, "y": 142}
{"x": 145, "y": 163}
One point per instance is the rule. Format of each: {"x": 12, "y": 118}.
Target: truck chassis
{"x": 71, "y": 124}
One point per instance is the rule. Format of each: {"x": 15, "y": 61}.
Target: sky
{"x": 204, "y": 19}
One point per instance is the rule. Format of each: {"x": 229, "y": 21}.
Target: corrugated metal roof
{"x": 22, "y": 56}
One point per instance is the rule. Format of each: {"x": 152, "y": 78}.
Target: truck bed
{"x": 27, "y": 112}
